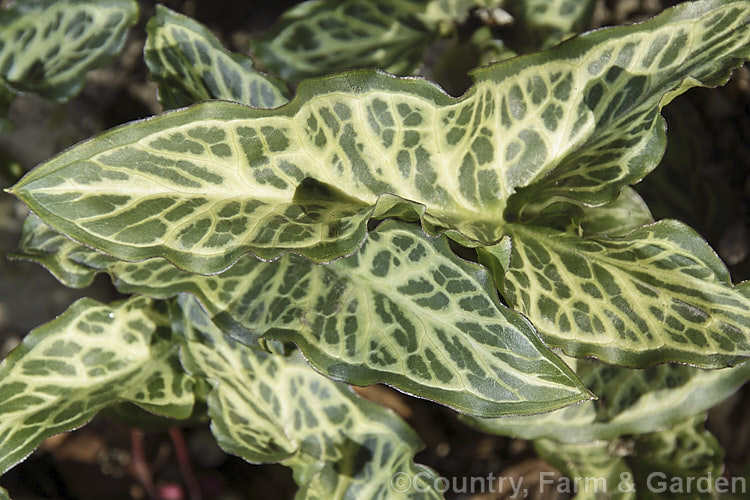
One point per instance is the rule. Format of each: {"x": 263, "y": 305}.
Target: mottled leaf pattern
{"x": 403, "y": 311}
{"x": 203, "y": 185}
{"x": 190, "y": 65}
{"x": 597, "y": 470}
{"x": 617, "y": 218}
{"x": 320, "y": 37}
{"x": 273, "y": 408}
{"x": 630, "y": 402}
{"x": 623, "y": 467}
{"x": 687, "y": 450}
{"x": 658, "y": 294}
{"x": 541, "y": 24}
{"x": 47, "y": 46}
{"x": 73, "y": 264}
{"x": 93, "y": 355}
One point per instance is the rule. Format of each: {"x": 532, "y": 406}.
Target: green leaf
{"x": 4, "y": 494}
{"x": 404, "y": 311}
{"x": 190, "y": 65}
{"x": 271, "y": 408}
{"x": 541, "y": 24}
{"x": 685, "y": 451}
{"x": 203, "y": 185}
{"x": 592, "y": 471}
{"x": 630, "y": 402}
{"x": 619, "y": 217}
{"x": 643, "y": 467}
{"x": 71, "y": 263}
{"x": 658, "y": 294}
{"x": 47, "y": 46}
{"x": 324, "y": 36}
{"x": 91, "y": 356}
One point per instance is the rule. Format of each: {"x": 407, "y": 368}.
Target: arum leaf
{"x": 203, "y": 185}
{"x": 71, "y": 263}
{"x": 619, "y": 217}
{"x": 190, "y": 65}
{"x": 324, "y": 36}
{"x": 47, "y": 46}
{"x": 592, "y": 471}
{"x": 271, "y": 408}
{"x": 642, "y": 467}
{"x": 91, "y": 356}
{"x": 658, "y": 294}
{"x": 685, "y": 451}
{"x": 541, "y": 24}
{"x": 630, "y": 402}
{"x": 404, "y": 311}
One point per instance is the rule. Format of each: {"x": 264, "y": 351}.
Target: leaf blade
{"x": 91, "y": 356}
{"x": 190, "y": 65}
{"x": 48, "y": 46}
{"x": 372, "y": 136}
{"x": 320, "y": 440}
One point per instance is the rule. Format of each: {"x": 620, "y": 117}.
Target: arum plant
{"x": 335, "y": 220}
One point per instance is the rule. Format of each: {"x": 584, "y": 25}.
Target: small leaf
{"x": 202, "y": 186}
{"x": 658, "y": 294}
{"x": 190, "y": 65}
{"x": 272, "y": 408}
{"x": 47, "y": 46}
{"x": 686, "y": 451}
{"x": 592, "y": 471}
{"x": 642, "y": 467}
{"x": 404, "y": 311}
{"x": 630, "y": 402}
{"x": 619, "y": 217}
{"x": 324, "y": 36}
{"x": 541, "y": 24}
{"x": 91, "y": 356}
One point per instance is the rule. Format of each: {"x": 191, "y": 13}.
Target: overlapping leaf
{"x": 47, "y": 46}
{"x": 644, "y": 467}
{"x": 71, "y": 263}
{"x": 658, "y": 294}
{"x": 541, "y": 24}
{"x": 190, "y": 65}
{"x": 630, "y": 402}
{"x": 592, "y": 471}
{"x": 404, "y": 311}
{"x": 273, "y": 408}
{"x": 203, "y": 185}
{"x": 324, "y": 36}
{"x": 93, "y": 355}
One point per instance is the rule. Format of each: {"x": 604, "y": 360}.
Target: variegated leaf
{"x": 73, "y": 264}
{"x": 47, "y": 46}
{"x": 190, "y": 65}
{"x": 642, "y": 467}
{"x": 404, "y": 311}
{"x": 617, "y": 218}
{"x": 630, "y": 402}
{"x": 92, "y": 356}
{"x": 593, "y": 471}
{"x": 658, "y": 294}
{"x": 320, "y": 37}
{"x": 273, "y": 408}
{"x": 685, "y": 451}
{"x": 541, "y": 24}
{"x": 203, "y": 185}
